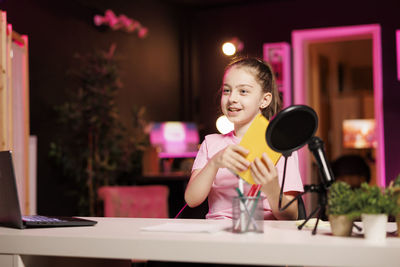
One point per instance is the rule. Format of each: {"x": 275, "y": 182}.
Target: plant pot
{"x": 374, "y": 227}
{"x": 397, "y": 197}
{"x": 341, "y": 225}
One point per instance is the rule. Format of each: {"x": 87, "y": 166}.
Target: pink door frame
{"x": 300, "y": 40}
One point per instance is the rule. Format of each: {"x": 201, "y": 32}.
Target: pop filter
{"x": 291, "y": 129}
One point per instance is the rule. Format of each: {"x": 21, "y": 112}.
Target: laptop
{"x": 10, "y": 213}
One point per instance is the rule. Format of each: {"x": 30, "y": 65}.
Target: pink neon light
{"x": 281, "y": 51}
{"x": 300, "y": 40}
{"x": 398, "y": 53}
{"x": 9, "y": 29}
{"x": 167, "y": 155}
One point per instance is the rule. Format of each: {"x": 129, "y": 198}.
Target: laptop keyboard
{"x": 40, "y": 218}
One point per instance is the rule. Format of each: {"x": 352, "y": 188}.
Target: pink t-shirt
{"x": 223, "y": 188}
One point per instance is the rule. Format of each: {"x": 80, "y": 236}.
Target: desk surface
{"x": 280, "y": 244}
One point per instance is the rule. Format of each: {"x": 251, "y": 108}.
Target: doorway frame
{"x": 301, "y": 39}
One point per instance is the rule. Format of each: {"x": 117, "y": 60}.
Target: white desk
{"x": 121, "y": 238}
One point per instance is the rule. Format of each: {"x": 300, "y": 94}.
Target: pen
{"x": 254, "y": 190}
{"x": 253, "y": 209}
{"x": 239, "y": 193}
{"x": 241, "y": 203}
{"x": 243, "y": 208}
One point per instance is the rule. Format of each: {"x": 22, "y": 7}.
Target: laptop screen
{"x": 10, "y": 213}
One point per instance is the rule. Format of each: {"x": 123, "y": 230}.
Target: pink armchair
{"x": 147, "y": 201}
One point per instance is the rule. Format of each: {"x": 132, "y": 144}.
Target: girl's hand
{"x": 233, "y": 158}
{"x": 263, "y": 171}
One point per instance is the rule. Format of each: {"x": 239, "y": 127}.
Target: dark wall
{"x": 259, "y": 23}
{"x": 57, "y": 30}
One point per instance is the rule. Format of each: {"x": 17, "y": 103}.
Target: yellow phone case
{"x": 254, "y": 141}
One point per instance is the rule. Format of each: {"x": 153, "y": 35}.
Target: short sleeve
{"x": 201, "y": 158}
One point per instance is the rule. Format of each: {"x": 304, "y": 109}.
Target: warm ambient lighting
{"x": 228, "y": 48}
{"x": 359, "y": 133}
{"x": 224, "y": 126}
{"x": 231, "y": 47}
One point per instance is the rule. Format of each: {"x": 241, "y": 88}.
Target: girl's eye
{"x": 243, "y": 91}
{"x": 226, "y": 91}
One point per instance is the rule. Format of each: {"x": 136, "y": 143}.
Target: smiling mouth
{"x": 234, "y": 109}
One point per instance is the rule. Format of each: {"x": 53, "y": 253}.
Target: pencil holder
{"x": 247, "y": 214}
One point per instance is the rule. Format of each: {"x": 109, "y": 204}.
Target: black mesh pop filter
{"x": 291, "y": 129}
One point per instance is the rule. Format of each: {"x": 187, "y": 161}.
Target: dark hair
{"x": 265, "y": 76}
{"x": 351, "y": 165}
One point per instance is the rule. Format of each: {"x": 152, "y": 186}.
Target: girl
{"x": 248, "y": 89}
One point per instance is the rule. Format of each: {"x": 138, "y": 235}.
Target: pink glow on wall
{"x": 398, "y": 53}
{"x": 301, "y": 39}
{"x": 175, "y": 139}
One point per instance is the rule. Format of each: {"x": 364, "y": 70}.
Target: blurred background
{"x": 163, "y": 62}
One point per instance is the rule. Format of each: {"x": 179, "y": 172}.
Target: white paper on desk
{"x": 185, "y": 228}
{"x": 310, "y": 224}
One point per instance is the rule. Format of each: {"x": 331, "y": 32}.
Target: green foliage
{"x": 93, "y": 148}
{"x": 371, "y": 199}
{"x": 394, "y": 192}
{"x": 396, "y": 181}
{"x": 342, "y": 200}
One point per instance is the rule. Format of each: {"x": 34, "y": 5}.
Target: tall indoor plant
{"x": 93, "y": 148}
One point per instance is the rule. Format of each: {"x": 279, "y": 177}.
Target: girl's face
{"x": 242, "y": 96}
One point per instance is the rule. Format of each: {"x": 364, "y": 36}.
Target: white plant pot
{"x": 374, "y": 227}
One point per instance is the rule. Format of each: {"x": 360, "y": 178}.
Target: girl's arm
{"x": 201, "y": 180}
{"x": 265, "y": 173}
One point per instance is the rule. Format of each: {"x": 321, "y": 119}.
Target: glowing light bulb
{"x": 224, "y": 126}
{"x": 229, "y": 48}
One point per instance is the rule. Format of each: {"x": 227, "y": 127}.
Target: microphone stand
{"x": 322, "y": 195}
{"x": 321, "y": 190}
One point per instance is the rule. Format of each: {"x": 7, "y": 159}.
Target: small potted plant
{"x": 394, "y": 190}
{"x": 341, "y": 208}
{"x": 375, "y": 205}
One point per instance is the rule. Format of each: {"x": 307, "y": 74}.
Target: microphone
{"x": 316, "y": 146}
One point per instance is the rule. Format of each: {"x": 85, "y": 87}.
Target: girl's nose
{"x": 233, "y": 97}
